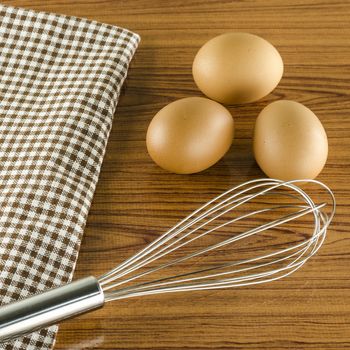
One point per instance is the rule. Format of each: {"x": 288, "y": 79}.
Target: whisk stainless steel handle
{"x": 50, "y": 307}
{"x": 90, "y": 293}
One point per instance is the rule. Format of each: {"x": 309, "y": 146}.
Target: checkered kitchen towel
{"x": 60, "y": 79}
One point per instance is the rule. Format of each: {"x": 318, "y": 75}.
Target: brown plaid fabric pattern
{"x": 60, "y": 79}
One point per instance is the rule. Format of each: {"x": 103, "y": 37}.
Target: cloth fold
{"x": 60, "y": 79}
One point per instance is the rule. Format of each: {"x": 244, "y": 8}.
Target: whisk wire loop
{"x": 259, "y": 269}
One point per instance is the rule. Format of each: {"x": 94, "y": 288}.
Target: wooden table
{"x": 135, "y": 200}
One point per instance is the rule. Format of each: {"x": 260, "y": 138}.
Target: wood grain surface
{"x": 135, "y": 200}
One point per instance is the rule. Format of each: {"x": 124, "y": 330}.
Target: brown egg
{"x": 289, "y": 141}
{"x": 189, "y": 135}
{"x": 237, "y": 68}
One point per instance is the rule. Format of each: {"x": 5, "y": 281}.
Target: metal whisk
{"x": 240, "y": 238}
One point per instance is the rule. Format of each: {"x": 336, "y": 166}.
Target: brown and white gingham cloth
{"x": 60, "y": 79}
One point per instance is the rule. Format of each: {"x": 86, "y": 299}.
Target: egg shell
{"x": 289, "y": 141}
{"x": 237, "y": 68}
{"x": 190, "y": 135}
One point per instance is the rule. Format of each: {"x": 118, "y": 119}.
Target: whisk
{"x": 246, "y": 217}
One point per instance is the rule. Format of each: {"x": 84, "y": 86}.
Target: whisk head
{"x": 259, "y": 231}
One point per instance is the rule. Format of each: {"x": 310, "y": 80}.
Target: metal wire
{"x": 263, "y": 267}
